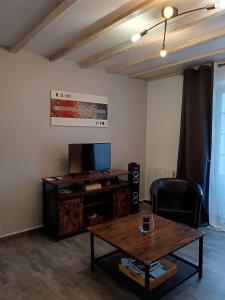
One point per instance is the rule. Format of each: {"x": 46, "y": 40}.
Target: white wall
{"x": 163, "y": 124}
{"x": 32, "y": 149}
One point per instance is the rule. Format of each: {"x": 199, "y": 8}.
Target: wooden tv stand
{"x": 68, "y": 208}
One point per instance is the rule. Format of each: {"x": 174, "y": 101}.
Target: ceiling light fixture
{"x": 136, "y": 37}
{"x": 169, "y": 13}
{"x": 163, "y": 51}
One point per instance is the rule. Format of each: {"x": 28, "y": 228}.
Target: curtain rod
{"x": 197, "y": 66}
{"x": 181, "y": 72}
{"x": 220, "y": 65}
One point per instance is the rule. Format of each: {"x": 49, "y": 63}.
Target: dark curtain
{"x": 196, "y": 124}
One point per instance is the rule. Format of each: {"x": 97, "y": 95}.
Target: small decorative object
{"x": 146, "y": 222}
{"x": 70, "y": 109}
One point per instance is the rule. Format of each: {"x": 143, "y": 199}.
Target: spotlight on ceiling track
{"x": 169, "y": 12}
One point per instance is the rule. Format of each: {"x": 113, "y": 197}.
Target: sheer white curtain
{"x": 217, "y": 170}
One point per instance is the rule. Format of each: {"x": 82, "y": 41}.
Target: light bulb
{"x": 168, "y": 12}
{"x": 163, "y": 52}
{"x": 135, "y": 37}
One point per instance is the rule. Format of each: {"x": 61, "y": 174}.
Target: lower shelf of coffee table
{"x": 110, "y": 264}
{"x": 171, "y": 270}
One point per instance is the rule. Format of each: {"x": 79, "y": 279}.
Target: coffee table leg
{"x": 200, "y": 257}
{"x": 92, "y": 252}
{"x": 147, "y": 277}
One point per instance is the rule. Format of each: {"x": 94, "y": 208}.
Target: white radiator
{"x": 156, "y": 173}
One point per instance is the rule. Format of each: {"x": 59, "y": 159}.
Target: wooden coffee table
{"x": 167, "y": 238}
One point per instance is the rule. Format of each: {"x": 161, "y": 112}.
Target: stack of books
{"x": 93, "y": 186}
{"x": 157, "y": 269}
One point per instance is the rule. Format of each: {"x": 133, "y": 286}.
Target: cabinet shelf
{"x": 97, "y": 203}
{"x": 65, "y": 212}
{"x": 82, "y": 193}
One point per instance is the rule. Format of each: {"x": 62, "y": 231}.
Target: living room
{"x": 144, "y": 68}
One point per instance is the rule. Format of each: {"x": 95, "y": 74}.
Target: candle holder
{"x": 146, "y": 218}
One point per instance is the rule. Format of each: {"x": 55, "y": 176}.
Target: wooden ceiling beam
{"x": 41, "y": 24}
{"x": 184, "y": 46}
{"x": 175, "y": 26}
{"x": 102, "y": 26}
{"x": 177, "y": 64}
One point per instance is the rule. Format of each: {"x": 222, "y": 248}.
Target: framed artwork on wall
{"x": 72, "y": 109}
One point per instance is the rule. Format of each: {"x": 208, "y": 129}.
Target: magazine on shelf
{"x": 157, "y": 269}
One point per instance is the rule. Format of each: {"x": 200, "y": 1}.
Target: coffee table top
{"x": 124, "y": 234}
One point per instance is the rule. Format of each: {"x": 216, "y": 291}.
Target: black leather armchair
{"x": 177, "y": 200}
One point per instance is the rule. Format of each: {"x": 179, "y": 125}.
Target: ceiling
{"x": 96, "y": 34}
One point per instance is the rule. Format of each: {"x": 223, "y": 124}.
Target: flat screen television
{"x": 87, "y": 158}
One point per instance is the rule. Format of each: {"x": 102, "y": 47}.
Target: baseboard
{"x": 20, "y": 232}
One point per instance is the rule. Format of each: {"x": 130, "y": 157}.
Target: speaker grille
{"x": 134, "y": 180}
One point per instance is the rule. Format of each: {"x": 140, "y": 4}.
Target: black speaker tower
{"x": 134, "y": 180}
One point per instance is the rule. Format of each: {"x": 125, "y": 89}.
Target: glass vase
{"x": 146, "y": 217}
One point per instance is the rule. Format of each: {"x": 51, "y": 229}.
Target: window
{"x": 217, "y": 168}
{"x": 222, "y": 137}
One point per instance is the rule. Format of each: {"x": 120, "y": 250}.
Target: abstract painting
{"x": 70, "y": 109}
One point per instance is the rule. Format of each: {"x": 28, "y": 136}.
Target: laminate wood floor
{"x": 34, "y": 267}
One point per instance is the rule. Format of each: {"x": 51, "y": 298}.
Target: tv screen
{"x": 89, "y": 157}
